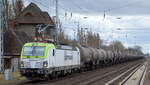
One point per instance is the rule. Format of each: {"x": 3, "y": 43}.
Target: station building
{"x": 23, "y": 29}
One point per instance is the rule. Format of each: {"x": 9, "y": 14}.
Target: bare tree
{"x": 17, "y": 6}
{"x": 117, "y": 46}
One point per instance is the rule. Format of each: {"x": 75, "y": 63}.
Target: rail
{"x": 131, "y": 78}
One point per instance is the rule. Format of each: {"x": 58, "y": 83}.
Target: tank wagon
{"x": 44, "y": 60}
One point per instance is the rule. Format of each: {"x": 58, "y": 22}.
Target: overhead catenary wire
{"x": 45, "y": 6}
{"x": 122, "y": 6}
{"x": 83, "y": 9}
{"x": 62, "y": 7}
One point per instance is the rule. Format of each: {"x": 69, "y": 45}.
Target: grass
{"x": 16, "y": 79}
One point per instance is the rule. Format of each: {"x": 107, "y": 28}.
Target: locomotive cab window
{"x": 34, "y": 51}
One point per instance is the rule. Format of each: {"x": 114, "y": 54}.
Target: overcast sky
{"x": 132, "y": 17}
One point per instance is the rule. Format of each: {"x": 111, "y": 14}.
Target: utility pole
{"x": 1, "y": 34}
{"x": 57, "y": 21}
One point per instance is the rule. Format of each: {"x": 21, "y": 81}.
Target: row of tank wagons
{"x": 93, "y": 56}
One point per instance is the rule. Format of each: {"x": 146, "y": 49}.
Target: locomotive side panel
{"x": 59, "y": 58}
{"x": 66, "y": 57}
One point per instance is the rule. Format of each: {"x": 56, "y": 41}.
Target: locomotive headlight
{"x": 45, "y": 64}
{"x": 22, "y": 64}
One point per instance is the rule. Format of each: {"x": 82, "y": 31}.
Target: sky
{"x": 123, "y": 20}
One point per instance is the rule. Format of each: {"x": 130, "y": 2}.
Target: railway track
{"x": 105, "y": 76}
{"x": 96, "y": 77}
{"x": 130, "y": 77}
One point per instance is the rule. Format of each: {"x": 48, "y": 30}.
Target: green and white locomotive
{"x": 44, "y": 59}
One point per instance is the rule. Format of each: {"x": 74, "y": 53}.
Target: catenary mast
{"x": 2, "y": 22}
{"x": 57, "y": 21}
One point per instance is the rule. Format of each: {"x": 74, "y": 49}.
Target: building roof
{"x": 32, "y": 14}
{"x": 13, "y": 41}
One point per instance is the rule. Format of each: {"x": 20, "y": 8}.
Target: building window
{"x": 28, "y": 14}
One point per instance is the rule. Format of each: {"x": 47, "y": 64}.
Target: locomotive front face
{"x": 35, "y": 55}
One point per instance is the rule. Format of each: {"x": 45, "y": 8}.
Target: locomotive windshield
{"x": 33, "y": 51}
